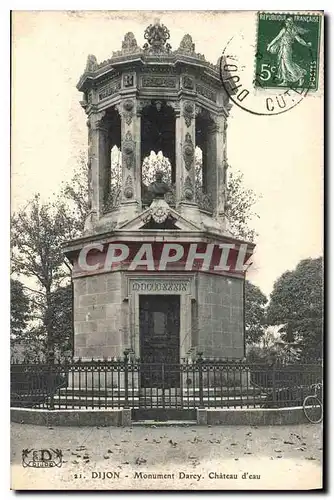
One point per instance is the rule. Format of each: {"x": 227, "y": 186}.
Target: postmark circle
{"x": 263, "y": 73}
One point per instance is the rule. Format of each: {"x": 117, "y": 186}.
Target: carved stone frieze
{"x": 205, "y": 92}
{"x": 159, "y": 81}
{"x": 188, "y": 151}
{"x": 112, "y": 88}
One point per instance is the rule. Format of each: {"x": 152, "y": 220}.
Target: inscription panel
{"x": 161, "y": 286}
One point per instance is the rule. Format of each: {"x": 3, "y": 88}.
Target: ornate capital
{"x": 96, "y": 121}
{"x": 175, "y": 105}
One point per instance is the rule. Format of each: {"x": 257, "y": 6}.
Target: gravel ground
{"x": 193, "y": 458}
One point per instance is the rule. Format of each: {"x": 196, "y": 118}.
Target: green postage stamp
{"x": 288, "y": 50}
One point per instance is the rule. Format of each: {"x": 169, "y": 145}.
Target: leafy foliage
{"x": 255, "y": 313}
{"x": 61, "y": 318}
{"x": 296, "y": 304}
{"x": 19, "y": 310}
{"x": 37, "y": 236}
{"x": 238, "y": 207}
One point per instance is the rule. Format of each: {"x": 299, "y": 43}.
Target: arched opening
{"x": 203, "y": 170}
{"x": 113, "y": 166}
{"x": 115, "y": 180}
{"x": 158, "y": 132}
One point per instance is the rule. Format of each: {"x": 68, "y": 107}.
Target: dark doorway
{"x": 159, "y": 340}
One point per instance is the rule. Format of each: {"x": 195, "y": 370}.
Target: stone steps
{"x": 151, "y": 393}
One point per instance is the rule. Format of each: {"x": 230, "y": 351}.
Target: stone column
{"x": 185, "y": 155}
{"x": 130, "y": 146}
{"x": 98, "y": 161}
{"x": 216, "y": 161}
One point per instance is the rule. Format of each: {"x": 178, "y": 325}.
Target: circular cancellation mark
{"x": 256, "y": 78}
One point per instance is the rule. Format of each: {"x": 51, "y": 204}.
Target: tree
{"x": 296, "y": 305}
{"x": 37, "y": 236}
{"x": 61, "y": 312}
{"x": 19, "y": 310}
{"x": 238, "y": 206}
{"x": 255, "y": 311}
{"x": 75, "y": 194}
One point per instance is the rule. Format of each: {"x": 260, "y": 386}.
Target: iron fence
{"x": 130, "y": 383}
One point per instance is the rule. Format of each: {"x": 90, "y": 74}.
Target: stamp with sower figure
{"x": 274, "y": 62}
{"x": 287, "y": 50}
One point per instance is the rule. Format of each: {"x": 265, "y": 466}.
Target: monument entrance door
{"x": 159, "y": 340}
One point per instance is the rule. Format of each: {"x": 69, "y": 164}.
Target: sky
{"x": 280, "y": 156}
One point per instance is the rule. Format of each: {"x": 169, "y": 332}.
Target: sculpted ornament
{"x": 157, "y": 35}
{"x": 128, "y": 189}
{"x": 128, "y": 106}
{"x": 91, "y": 64}
{"x": 159, "y": 210}
{"x": 188, "y": 191}
{"x": 188, "y": 151}
{"x": 188, "y": 111}
{"x": 128, "y": 150}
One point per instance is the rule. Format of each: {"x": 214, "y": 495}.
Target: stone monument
{"x": 159, "y": 277}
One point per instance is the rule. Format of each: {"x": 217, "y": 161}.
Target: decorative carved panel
{"x": 204, "y": 200}
{"x": 127, "y": 111}
{"x": 128, "y": 150}
{"x": 205, "y": 92}
{"x": 188, "y": 191}
{"x": 128, "y": 80}
{"x": 188, "y": 83}
{"x": 188, "y": 151}
{"x": 128, "y": 188}
{"x": 109, "y": 89}
{"x": 159, "y": 81}
{"x": 188, "y": 112}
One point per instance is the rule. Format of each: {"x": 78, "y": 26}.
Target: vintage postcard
{"x": 167, "y": 250}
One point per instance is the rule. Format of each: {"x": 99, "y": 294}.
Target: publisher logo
{"x": 42, "y": 459}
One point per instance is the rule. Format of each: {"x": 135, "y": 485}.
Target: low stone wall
{"x": 70, "y": 417}
{"x": 252, "y": 416}
{"x": 122, "y": 417}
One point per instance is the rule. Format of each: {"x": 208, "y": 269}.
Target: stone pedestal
{"x": 106, "y": 312}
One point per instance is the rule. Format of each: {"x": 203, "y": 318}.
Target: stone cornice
{"x": 152, "y": 235}
{"x": 142, "y": 61}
